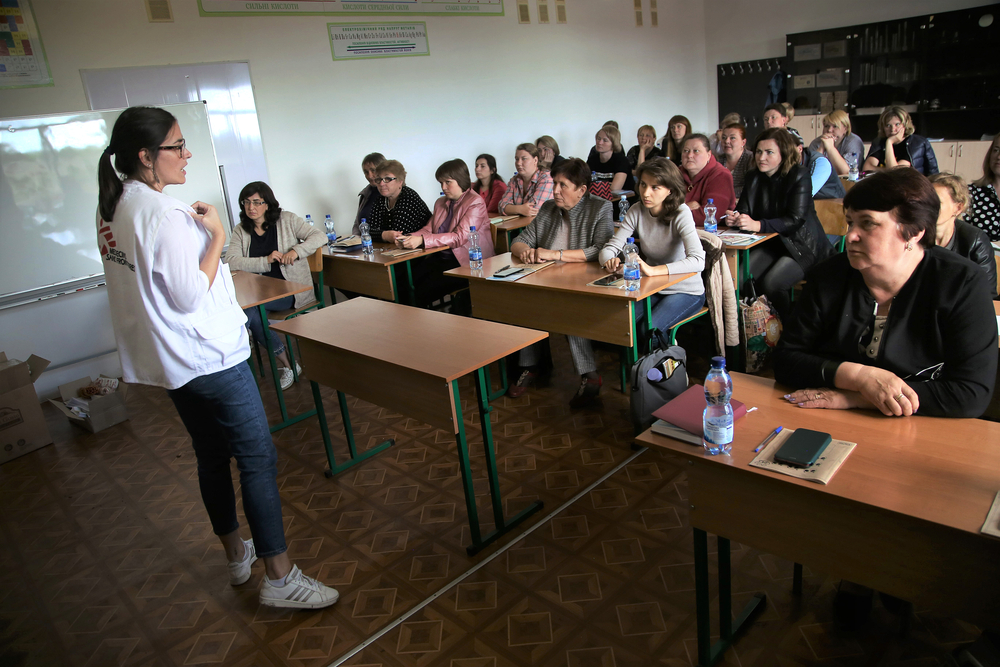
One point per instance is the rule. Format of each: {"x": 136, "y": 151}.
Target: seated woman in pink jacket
{"x": 454, "y": 216}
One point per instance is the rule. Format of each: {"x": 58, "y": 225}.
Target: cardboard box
{"x": 104, "y": 411}
{"x": 22, "y": 424}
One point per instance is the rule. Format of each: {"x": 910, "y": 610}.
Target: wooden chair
{"x": 831, "y": 215}
{"x": 316, "y": 269}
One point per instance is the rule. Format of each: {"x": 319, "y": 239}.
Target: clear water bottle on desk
{"x": 717, "y": 421}
{"x": 309, "y": 220}
{"x": 331, "y": 232}
{"x": 475, "y": 252}
{"x": 711, "y": 224}
{"x": 632, "y": 271}
{"x": 622, "y": 208}
{"x": 366, "y": 238}
{"x": 852, "y": 166}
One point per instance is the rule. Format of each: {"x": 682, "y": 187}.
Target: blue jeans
{"x": 257, "y": 329}
{"x": 225, "y": 417}
{"x": 669, "y": 309}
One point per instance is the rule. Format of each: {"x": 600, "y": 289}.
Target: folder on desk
{"x": 399, "y": 252}
{"x": 685, "y": 410}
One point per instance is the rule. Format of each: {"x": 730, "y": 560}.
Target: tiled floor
{"x": 108, "y": 558}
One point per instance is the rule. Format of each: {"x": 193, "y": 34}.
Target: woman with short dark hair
{"x": 178, "y": 326}
{"x": 735, "y": 156}
{"x": 572, "y": 227}
{"x": 369, "y": 194}
{"x": 775, "y": 115}
{"x": 777, "y": 198}
{"x": 488, "y": 183}
{"x": 455, "y": 214}
{"x": 896, "y": 132}
{"x": 896, "y": 323}
{"x": 275, "y": 243}
{"x": 669, "y": 243}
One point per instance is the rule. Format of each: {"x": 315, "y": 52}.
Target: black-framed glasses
{"x": 256, "y": 203}
{"x": 176, "y": 147}
{"x": 386, "y": 179}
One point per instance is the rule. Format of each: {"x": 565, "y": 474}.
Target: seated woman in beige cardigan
{"x": 276, "y": 244}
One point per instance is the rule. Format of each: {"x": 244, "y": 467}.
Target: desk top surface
{"x": 735, "y": 230}
{"x": 946, "y": 471}
{"x": 520, "y": 222}
{"x": 438, "y": 344}
{"x": 569, "y": 276}
{"x": 379, "y": 257}
{"x": 253, "y": 289}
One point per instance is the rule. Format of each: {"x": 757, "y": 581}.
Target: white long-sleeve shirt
{"x": 170, "y": 326}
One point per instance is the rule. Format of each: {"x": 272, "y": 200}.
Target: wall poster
{"x": 22, "y": 56}
{"x": 355, "y": 41}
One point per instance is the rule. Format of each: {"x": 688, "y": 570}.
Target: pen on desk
{"x": 768, "y": 439}
{"x": 503, "y": 269}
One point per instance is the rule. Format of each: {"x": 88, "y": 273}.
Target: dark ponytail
{"x": 135, "y": 129}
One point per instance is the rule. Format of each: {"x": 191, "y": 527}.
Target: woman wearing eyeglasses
{"x": 178, "y": 326}
{"x": 277, "y": 244}
{"x": 399, "y": 209}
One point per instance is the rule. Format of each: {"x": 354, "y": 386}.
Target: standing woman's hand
{"x": 208, "y": 217}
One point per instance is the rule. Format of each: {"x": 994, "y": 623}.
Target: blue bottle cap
{"x": 718, "y": 362}
{"x": 472, "y": 228}
{"x": 710, "y": 201}
{"x": 631, "y": 239}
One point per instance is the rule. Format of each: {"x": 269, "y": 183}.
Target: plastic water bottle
{"x": 309, "y": 220}
{"x": 717, "y": 421}
{"x": 366, "y": 238}
{"x": 622, "y": 208}
{"x": 711, "y": 225}
{"x": 632, "y": 270}
{"x": 331, "y": 233}
{"x": 852, "y": 166}
{"x": 475, "y": 252}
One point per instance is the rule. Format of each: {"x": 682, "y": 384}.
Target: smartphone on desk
{"x": 610, "y": 280}
{"x": 803, "y": 448}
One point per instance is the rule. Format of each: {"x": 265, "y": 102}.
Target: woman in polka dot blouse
{"x": 399, "y": 209}
{"x": 985, "y": 209}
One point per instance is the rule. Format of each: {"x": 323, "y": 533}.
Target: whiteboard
{"x": 48, "y": 196}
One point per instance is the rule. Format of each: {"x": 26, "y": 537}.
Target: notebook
{"x": 686, "y": 410}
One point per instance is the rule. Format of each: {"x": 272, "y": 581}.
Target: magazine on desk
{"x": 737, "y": 238}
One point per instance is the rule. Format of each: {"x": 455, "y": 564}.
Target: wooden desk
{"x": 364, "y": 347}
{"x": 738, "y": 257}
{"x": 255, "y": 290}
{"x": 558, "y": 299}
{"x": 373, "y": 275}
{"x": 902, "y": 515}
{"x": 506, "y": 231}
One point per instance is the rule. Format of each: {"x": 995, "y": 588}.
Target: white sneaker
{"x": 299, "y": 592}
{"x": 239, "y": 571}
{"x": 286, "y": 378}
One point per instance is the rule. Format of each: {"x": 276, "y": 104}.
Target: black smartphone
{"x": 803, "y": 448}
{"x": 607, "y": 281}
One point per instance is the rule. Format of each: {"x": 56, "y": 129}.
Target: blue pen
{"x": 768, "y": 439}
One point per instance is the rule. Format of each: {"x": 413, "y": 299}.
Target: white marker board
{"x": 48, "y": 196}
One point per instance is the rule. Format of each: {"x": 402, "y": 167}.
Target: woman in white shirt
{"x": 178, "y": 326}
{"x": 669, "y": 243}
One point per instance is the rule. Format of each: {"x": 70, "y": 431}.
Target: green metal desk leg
{"x": 709, "y": 654}
{"x": 285, "y": 421}
{"x": 494, "y": 395}
{"x": 502, "y": 525}
{"x": 325, "y": 431}
{"x": 466, "y": 468}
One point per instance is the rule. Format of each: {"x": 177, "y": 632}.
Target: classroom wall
{"x": 489, "y": 84}
{"x": 738, "y": 30}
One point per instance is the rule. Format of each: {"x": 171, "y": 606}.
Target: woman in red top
{"x": 705, "y": 178}
{"x": 488, "y": 185}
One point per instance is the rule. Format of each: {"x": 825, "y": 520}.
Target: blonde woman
{"x": 838, "y": 142}
{"x": 895, "y": 131}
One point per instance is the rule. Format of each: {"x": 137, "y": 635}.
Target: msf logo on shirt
{"x": 106, "y": 238}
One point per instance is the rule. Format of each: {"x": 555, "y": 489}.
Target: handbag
{"x": 656, "y": 378}
{"x": 601, "y": 189}
{"x": 760, "y": 331}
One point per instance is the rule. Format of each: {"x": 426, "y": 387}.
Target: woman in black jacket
{"x": 777, "y": 198}
{"x": 896, "y": 131}
{"x": 967, "y": 240}
{"x": 896, "y": 324}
